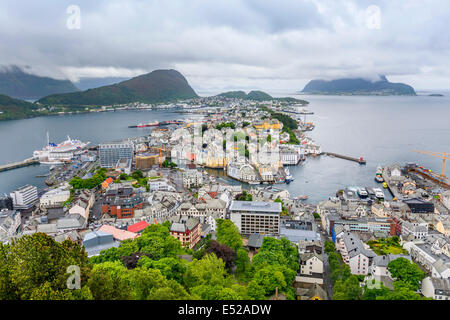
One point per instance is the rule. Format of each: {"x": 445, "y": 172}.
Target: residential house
{"x": 415, "y": 229}
{"x": 311, "y": 268}
{"x": 354, "y": 253}
{"x": 187, "y": 230}
{"x": 192, "y": 178}
{"x": 436, "y": 288}
{"x": 82, "y": 204}
{"x": 379, "y": 269}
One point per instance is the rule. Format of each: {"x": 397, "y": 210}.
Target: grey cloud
{"x": 231, "y": 43}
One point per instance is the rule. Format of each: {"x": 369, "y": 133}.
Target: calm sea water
{"x": 383, "y": 130}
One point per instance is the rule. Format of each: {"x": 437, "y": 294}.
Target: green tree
{"x": 255, "y": 290}
{"x": 408, "y": 272}
{"x": 329, "y": 246}
{"x": 34, "y": 260}
{"x": 227, "y": 233}
{"x": 171, "y": 268}
{"x": 210, "y": 271}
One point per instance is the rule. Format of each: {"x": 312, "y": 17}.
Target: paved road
{"x": 326, "y": 267}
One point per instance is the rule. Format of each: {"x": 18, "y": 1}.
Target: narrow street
{"x": 326, "y": 268}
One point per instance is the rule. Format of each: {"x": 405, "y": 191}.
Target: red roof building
{"x": 138, "y": 227}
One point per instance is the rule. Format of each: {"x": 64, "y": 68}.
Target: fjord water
{"x": 383, "y": 130}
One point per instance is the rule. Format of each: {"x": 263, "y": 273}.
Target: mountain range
{"x": 16, "y": 83}
{"x": 257, "y": 95}
{"x": 153, "y": 87}
{"x": 358, "y": 86}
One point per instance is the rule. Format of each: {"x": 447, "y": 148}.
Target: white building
{"x": 242, "y": 172}
{"x": 354, "y": 253}
{"x": 54, "y": 197}
{"x": 438, "y": 289}
{"x": 10, "y": 221}
{"x": 311, "y": 263}
{"x": 256, "y": 217}
{"x": 82, "y": 204}
{"x": 379, "y": 271}
{"x": 24, "y": 197}
{"x": 432, "y": 255}
{"x": 417, "y": 230}
{"x": 290, "y": 155}
{"x": 192, "y": 178}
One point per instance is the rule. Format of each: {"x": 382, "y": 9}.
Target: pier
{"x": 359, "y": 160}
{"x": 19, "y": 164}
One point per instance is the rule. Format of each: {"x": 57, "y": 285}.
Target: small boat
{"x": 362, "y": 192}
{"x": 385, "y": 185}
{"x": 379, "y": 194}
{"x": 379, "y": 179}
{"x": 303, "y": 197}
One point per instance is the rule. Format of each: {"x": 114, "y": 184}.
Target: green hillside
{"x": 11, "y": 108}
{"x": 153, "y": 87}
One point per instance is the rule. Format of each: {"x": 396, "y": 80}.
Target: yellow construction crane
{"x": 443, "y": 155}
{"x": 160, "y": 154}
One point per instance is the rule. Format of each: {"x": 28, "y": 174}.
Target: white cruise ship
{"x": 58, "y": 153}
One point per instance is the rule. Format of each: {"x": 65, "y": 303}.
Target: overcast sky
{"x": 230, "y": 44}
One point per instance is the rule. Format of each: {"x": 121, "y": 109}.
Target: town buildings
{"x": 192, "y": 178}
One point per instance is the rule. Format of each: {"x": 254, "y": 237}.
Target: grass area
{"x": 387, "y": 246}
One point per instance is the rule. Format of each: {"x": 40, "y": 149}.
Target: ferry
{"x": 289, "y": 177}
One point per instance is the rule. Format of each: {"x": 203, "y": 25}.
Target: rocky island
{"x": 358, "y": 86}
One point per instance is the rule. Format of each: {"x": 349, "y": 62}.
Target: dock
{"x": 359, "y": 160}
{"x": 19, "y": 164}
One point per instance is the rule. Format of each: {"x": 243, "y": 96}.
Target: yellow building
{"x": 146, "y": 160}
{"x": 443, "y": 227}
{"x": 266, "y": 125}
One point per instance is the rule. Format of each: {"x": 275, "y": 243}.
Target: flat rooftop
{"x": 256, "y": 206}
